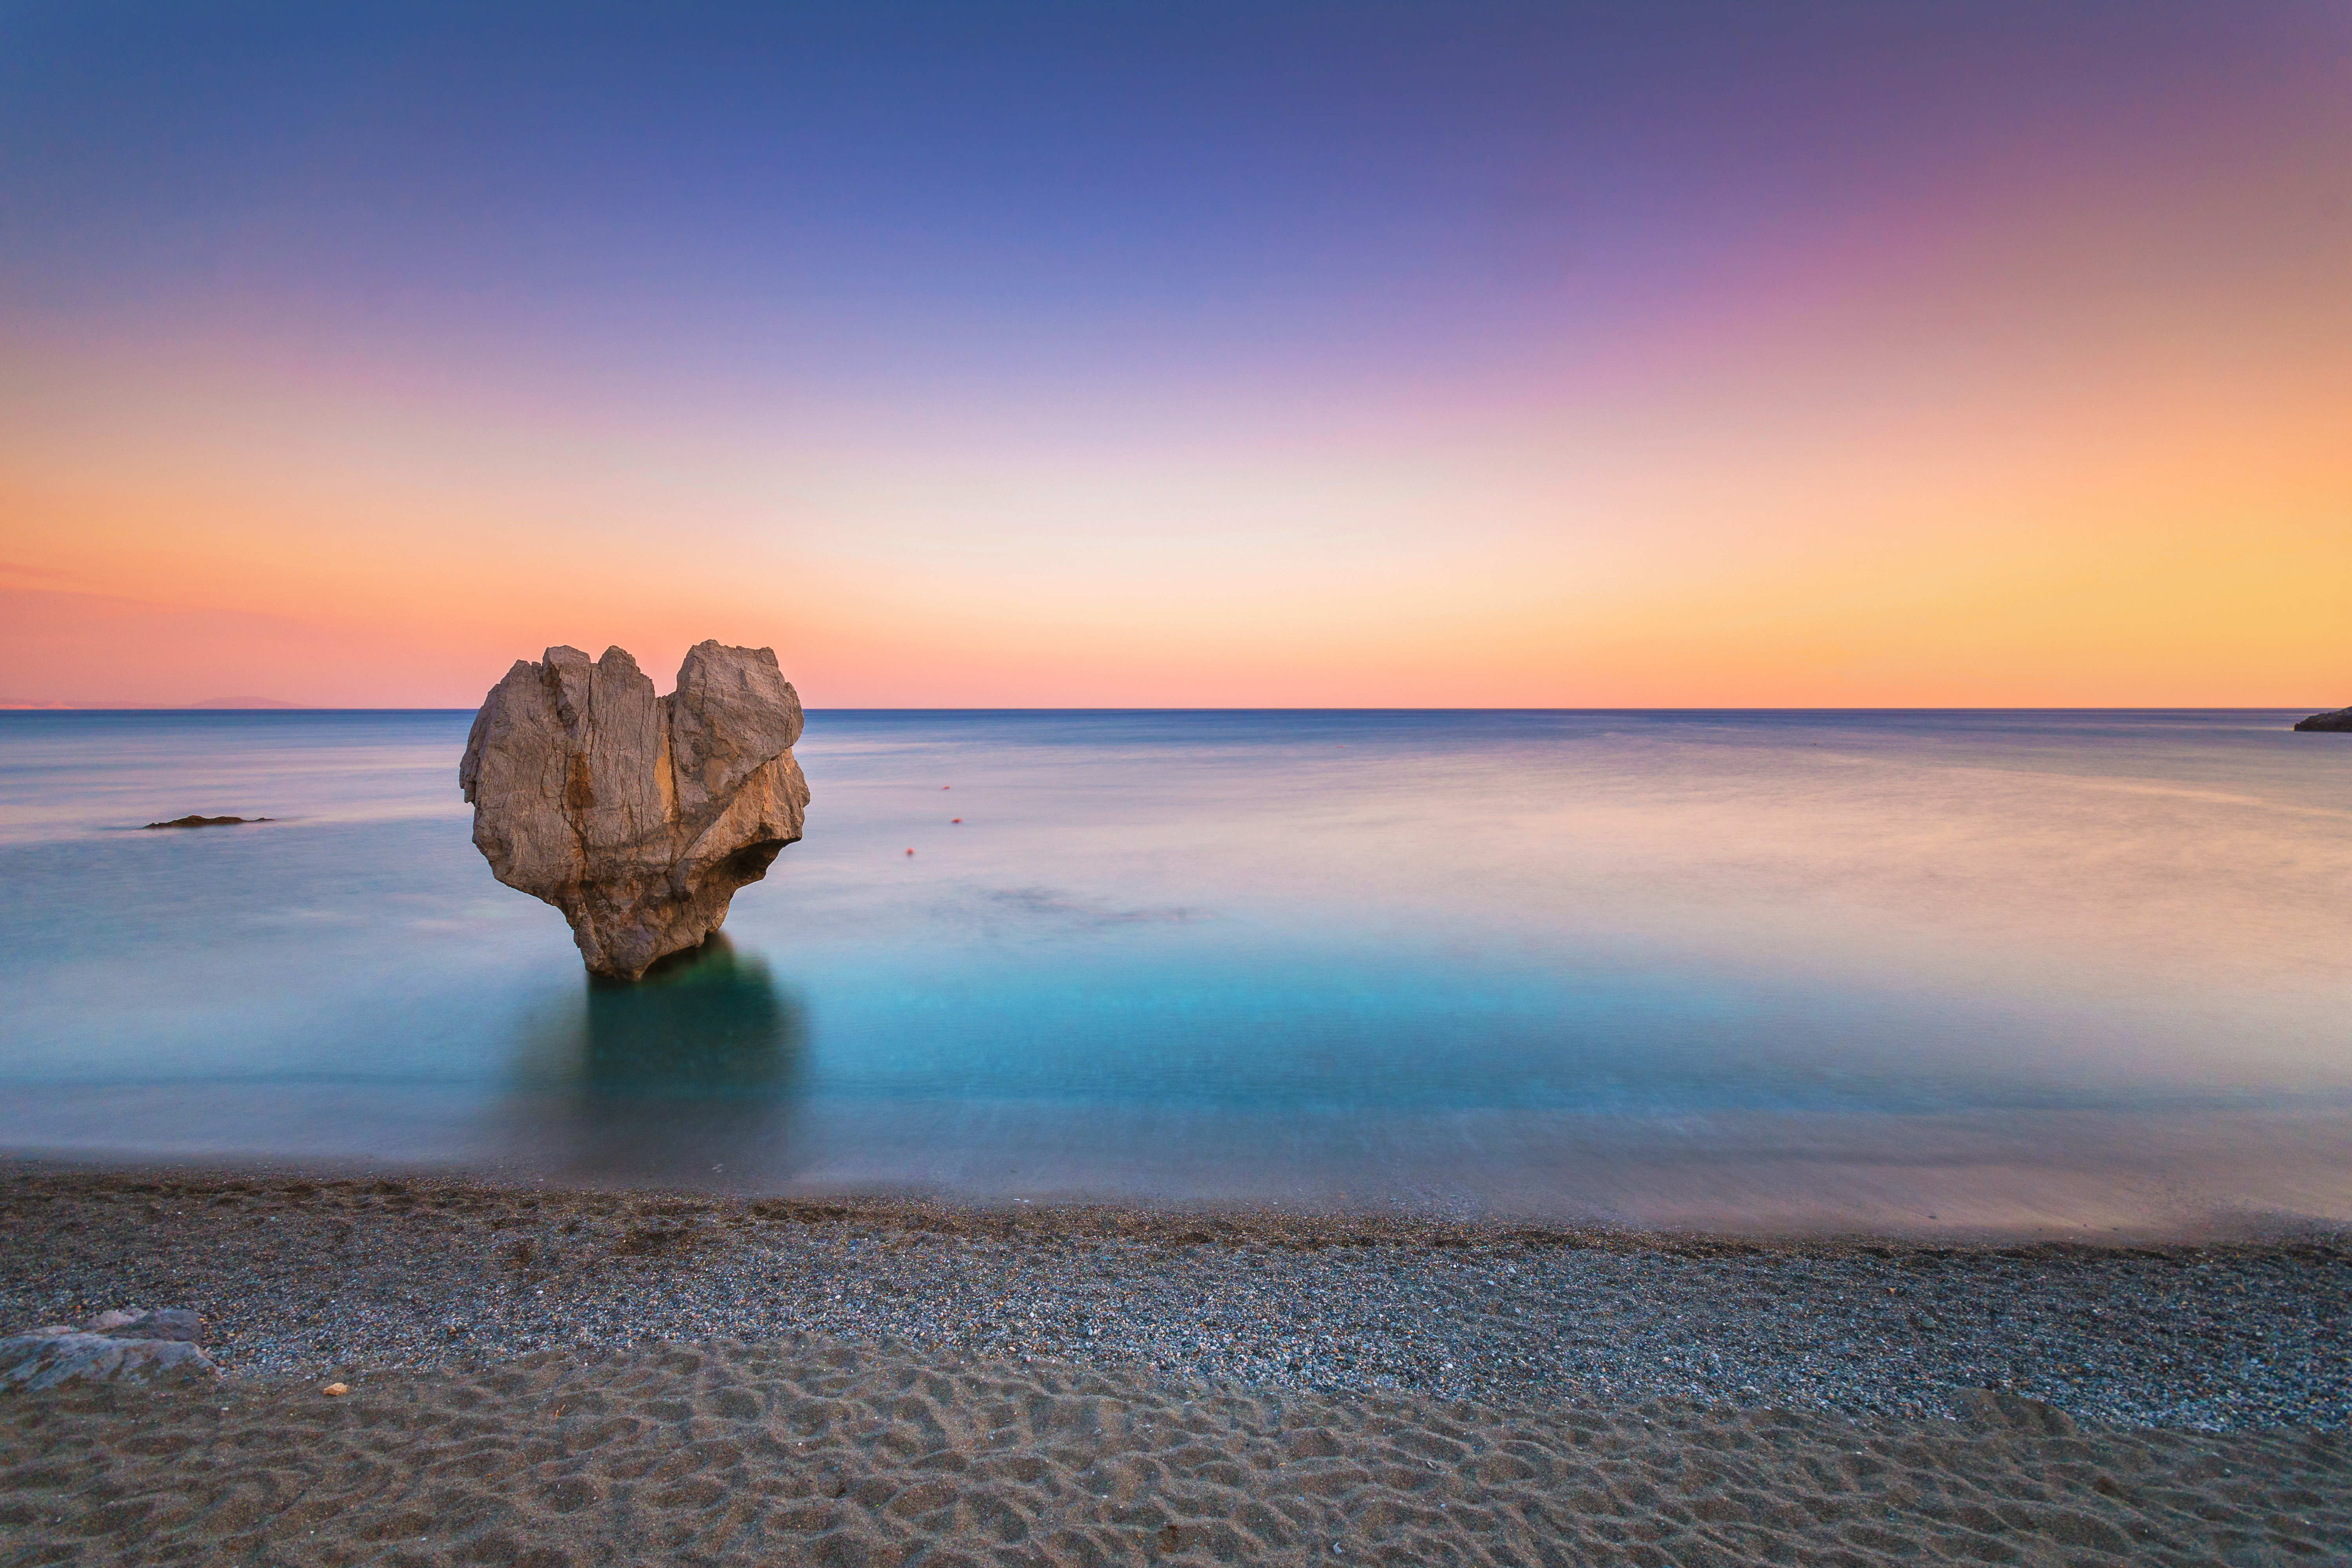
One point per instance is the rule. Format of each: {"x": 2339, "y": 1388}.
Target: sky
{"x": 1137, "y": 355}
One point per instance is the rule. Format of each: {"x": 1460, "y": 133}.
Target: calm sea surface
{"x": 2073, "y": 972}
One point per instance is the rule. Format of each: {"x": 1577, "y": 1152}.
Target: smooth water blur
{"x": 2013, "y": 971}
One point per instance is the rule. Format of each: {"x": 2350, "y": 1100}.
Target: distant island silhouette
{"x": 43, "y": 705}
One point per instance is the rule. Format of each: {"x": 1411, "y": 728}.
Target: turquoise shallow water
{"x": 2069, "y": 972}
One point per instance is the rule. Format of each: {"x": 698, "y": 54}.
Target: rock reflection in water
{"x": 707, "y": 1022}
{"x": 686, "y": 1075}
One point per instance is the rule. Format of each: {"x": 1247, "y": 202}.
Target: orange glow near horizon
{"x": 2123, "y": 539}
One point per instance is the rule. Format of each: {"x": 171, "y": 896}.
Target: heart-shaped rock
{"x": 640, "y": 817}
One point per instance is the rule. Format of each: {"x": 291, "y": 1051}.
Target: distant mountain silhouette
{"x": 43, "y": 704}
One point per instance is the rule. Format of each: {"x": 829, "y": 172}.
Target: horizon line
{"x": 36, "y": 707}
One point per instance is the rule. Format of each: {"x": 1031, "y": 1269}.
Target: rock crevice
{"x": 640, "y": 817}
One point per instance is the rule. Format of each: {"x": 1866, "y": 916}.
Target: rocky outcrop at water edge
{"x": 2341, "y": 720}
{"x": 640, "y": 817}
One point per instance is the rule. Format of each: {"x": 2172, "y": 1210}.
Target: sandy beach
{"x": 604, "y": 1377}
{"x": 802, "y": 1451}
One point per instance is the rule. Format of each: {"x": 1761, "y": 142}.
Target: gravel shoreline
{"x": 306, "y": 1276}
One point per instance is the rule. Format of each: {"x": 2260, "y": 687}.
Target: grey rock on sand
{"x": 2341, "y": 720}
{"x": 171, "y": 1323}
{"x": 114, "y": 1347}
{"x": 640, "y": 817}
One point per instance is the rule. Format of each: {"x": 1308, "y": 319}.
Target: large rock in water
{"x": 2339, "y": 720}
{"x": 637, "y": 815}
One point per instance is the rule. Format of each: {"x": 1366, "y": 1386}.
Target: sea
{"x": 1963, "y": 973}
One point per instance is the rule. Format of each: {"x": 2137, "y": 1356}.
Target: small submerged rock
{"x": 120, "y": 1346}
{"x": 2340, "y": 720}
{"x": 210, "y": 821}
